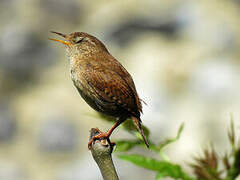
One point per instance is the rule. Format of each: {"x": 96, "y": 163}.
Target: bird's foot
{"x": 100, "y": 136}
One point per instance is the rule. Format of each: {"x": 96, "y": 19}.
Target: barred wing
{"x": 110, "y": 87}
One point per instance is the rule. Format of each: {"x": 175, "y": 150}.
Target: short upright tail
{"x": 137, "y": 122}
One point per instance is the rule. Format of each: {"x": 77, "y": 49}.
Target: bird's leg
{"x": 107, "y": 134}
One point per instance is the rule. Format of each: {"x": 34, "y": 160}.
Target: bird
{"x": 102, "y": 81}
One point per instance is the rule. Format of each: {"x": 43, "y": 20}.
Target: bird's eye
{"x": 79, "y": 39}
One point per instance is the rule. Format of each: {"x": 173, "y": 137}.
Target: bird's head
{"x": 80, "y": 43}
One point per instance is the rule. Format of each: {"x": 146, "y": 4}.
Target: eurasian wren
{"x": 102, "y": 81}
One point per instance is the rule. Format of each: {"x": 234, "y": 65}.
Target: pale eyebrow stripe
{"x": 89, "y": 40}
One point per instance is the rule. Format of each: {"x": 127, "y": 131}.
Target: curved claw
{"x": 100, "y": 136}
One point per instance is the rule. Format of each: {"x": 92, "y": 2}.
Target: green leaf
{"x": 163, "y": 174}
{"x": 160, "y": 175}
{"x": 164, "y": 169}
{"x": 171, "y": 140}
{"x": 144, "y": 162}
{"x": 124, "y": 145}
{"x": 234, "y": 170}
{"x": 231, "y": 134}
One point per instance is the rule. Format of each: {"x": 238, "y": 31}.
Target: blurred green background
{"x": 183, "y": 56}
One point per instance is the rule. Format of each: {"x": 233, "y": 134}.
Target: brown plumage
{"x": 101, "y": 80}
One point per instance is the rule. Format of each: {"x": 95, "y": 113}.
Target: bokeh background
{"x": 183, "y": 55}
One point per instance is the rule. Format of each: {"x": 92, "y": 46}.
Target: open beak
{"x": 58, "y": 40}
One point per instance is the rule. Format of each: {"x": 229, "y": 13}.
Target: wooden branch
{"x": 102, "y": 153}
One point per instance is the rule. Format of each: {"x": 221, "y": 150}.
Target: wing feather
{"x": 111, "y": 87}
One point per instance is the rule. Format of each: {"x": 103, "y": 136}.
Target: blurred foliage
{"x": 206, "y": 167}
{"x": 163, "y": 168}
{"x": 209, "y": 166}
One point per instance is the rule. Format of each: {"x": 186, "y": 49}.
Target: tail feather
{"x": 137, "y": 122}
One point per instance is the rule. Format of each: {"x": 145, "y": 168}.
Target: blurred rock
{"x": 84, "y": 168}
{"x": 215, "y": 34}
{"x": 10, "y": 171}
{"x": 23, "y": 53}
{"x": 88, "y": 169}
{"x": 57, "y": 135}
{"x": 216, "y": 80}
{"x": 68, "y": 11}
{"x": 237, "y": 1}
{"x": 8, "y": 124}
{"x": 125, "y": 32}
{"x": 5, "y": 2}
{"x": 187, "y": 14}
{"x": 218, "y": 37}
